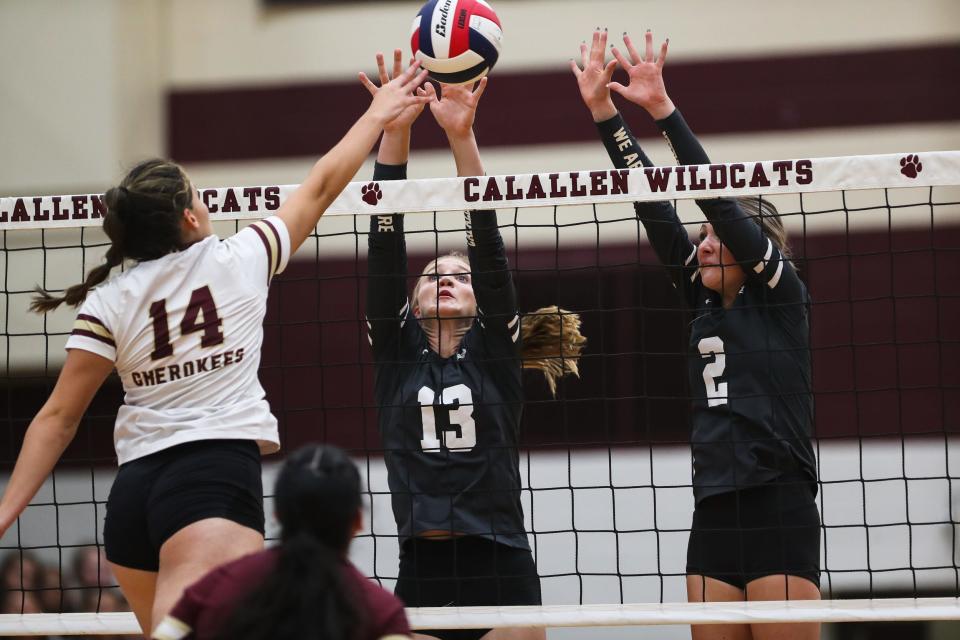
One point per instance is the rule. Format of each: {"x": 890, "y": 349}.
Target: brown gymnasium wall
{"x": 772, "y": 93}
{"x": 884, "y": 335}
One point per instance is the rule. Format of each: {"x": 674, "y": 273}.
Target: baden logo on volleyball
{"x": 457, "y": 41}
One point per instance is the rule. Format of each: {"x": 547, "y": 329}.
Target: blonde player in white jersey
{"x": 183, "y": 328}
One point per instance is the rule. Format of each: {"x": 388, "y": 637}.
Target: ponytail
{"x": 304, "y": 597}
{"x": 552, "y": 343}
{"x": 551, "y": 338}
{"x": 75, "y": 295}
{"x": 142, "y": 222}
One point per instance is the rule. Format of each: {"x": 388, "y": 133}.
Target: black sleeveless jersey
{"x": 450, "y": 426}
{"x": 749, "y": 365}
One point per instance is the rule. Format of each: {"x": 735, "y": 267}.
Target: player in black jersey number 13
{"x": 448, "y": 388}
{"x": 756, "y": 529}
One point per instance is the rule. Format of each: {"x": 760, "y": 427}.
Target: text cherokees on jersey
{"x": 184, "y": 332}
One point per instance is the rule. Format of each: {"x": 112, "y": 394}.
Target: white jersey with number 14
{"x": 184, "y": 332}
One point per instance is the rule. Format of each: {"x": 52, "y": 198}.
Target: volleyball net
{"x": 605, "y": 464}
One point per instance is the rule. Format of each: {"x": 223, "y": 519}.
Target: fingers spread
{"x": 410, "y": 72}
{"x": 575, "y": 68}
{"x": 619, "y": 58}
{"x": 365, "y": 81}
{"x": 382, "y": 69}
{"x": 397, "y": 62}
{"x": 427, "y": 92}
{"x": 634, "y": 56}
{"x": 420, "y": 78}
{"x": 597, "y": 47}
{"x": 412, "y": 77}
{"x": 617, "y": 88}
{"x": 478, "y": 91}
{"x": 648, "y": 37}
{"x": 609, "y": 69}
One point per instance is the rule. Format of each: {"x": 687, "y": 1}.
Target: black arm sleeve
{"x": 491, "y": 278}
{"x": 667, "y": 235}
{"x": 387, "y": 305}
{"x": 760, "y": 258}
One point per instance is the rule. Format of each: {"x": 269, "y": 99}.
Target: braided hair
{"x": 142, "y": 221}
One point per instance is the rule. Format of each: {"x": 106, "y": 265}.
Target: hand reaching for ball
{"x": 395, "y": 98}
{"x": 456, "y": 107}
{"x": 409, "y": 115}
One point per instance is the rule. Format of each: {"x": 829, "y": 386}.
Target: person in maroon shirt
{"x": 304, "y": 588}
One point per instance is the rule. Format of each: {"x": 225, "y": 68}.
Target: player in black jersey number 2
{"x": 448, "y": 387}
{"x": 756, "y": 529}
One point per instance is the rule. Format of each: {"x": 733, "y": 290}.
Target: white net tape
{"x": 891, "y": 609}
{"x": 607, "y": 186}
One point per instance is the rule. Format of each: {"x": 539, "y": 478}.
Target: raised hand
{"x": 395, "y": 98}
{"x": 646, "y": 86}
{"x": 595, "y": 77}
{"x": 407, "y": 117}
{"x": 456, "y": 107}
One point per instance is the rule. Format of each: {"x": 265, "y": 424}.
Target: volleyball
{"x": 457, "y": 41}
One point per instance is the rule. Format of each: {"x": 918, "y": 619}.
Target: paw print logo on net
{"x": 371, "y": 193}
{"x": 910, "y": 165}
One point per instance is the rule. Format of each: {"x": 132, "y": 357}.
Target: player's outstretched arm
{"x": 52, "y": 430}
{"x": 332, "y": 172}
{"x": 455, "y": 111}
{"x": 666, "y": 233}
{"x": 735, "y": 228}
{"x": 386, "y": 248}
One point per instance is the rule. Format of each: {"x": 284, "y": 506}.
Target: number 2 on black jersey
{"x": 716, "y": 391}
{"x": 201, "y": 304}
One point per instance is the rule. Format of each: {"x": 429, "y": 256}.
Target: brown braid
{"x": 142, "y": 221}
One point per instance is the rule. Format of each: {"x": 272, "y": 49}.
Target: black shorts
{"x": 772, "y": 529}
{"x": 466, "y": 572}
{"x": 155, "y": 496}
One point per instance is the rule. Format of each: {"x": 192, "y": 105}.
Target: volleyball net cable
{"x": 605, "y": 464}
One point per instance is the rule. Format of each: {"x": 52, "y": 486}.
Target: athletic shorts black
{"x": 155, "y": 496}
{"x": 771, "y": 529}
{"x": 465, "y": 572}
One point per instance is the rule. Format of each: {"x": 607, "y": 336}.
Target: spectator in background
{"x": 21, "y": 571}
{"x": 52, "y": 597}
{"x": 91, "y": 574}
{"x": 21, "y": 574}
